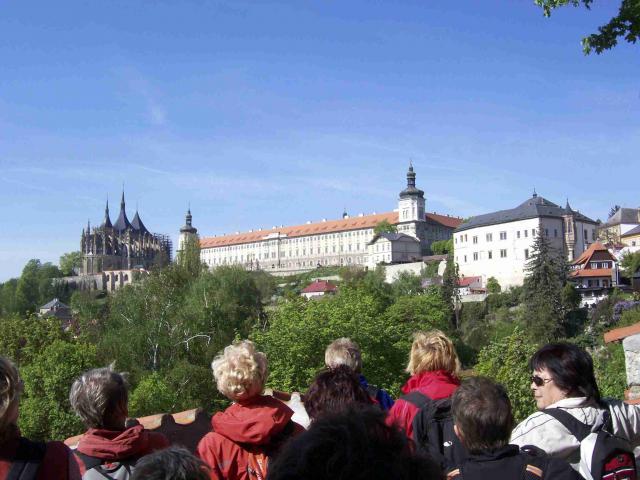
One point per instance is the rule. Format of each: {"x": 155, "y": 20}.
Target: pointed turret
{"x": 122, "y": 223}
{"x": 107, "y": 219}
{"x": 188, "y": 227}
{"x": 411, "y": 190}
{"x": 567, "y": 207}
{"x": 137, "y": 224}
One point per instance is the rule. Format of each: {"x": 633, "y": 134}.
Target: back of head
{"x": 571, "y": 368}
{"x": 343, "y": 351}
{"x": 355, "y": 444}
{"x": 482, "y": 412}
{"x": 333, "y": 391}
{"x": 432, "y": 351}
{"x": 100, "y": 398}
{"x": 240, "y": 371}
{"x": 10, "y": 390}
{"x": 173, "y": 463}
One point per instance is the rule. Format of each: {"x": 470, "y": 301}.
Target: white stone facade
{"x": 501, "y": 250}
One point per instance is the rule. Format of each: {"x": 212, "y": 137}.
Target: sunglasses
{"x": 539, "y": 381}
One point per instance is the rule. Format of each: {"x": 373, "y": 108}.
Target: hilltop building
{"x": 187, "y": 232}
{"x": 348, "y": 241}
{"x": 498, "y": 244}
{"x": 121, "y": 246}
{"x": 619, "y": 224}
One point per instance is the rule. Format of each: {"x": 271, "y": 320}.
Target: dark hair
{"x": 571, "y": 368}
{"x": 332, "y": 391}
{"x": 482, "y": 411}
{"x": 355, "y": 444}
{"x": 173, "y": 463}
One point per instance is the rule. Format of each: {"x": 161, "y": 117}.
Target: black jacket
{"x": 509, "y": 463}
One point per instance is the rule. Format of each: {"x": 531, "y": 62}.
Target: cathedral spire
{"x": 122, "y": 223}
{"x": 188, "y": 227}
{"x": 411, "y": 189}
{"x": 107, "y": 219}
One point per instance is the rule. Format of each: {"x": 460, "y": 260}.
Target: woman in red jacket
{"x": 36, "y": 460}
{"x": 252, "y": 429}
{"x": 434, "y": 367}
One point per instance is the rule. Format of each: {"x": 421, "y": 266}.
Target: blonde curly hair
{"x": 240, "y": 371}
{"x": 10, "y": 389}
{"x": 431, "y": 351}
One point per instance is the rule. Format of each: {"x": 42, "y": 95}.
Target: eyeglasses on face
{"x": 539, "y": 381}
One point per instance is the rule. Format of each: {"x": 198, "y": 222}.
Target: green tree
{"x": 570, "y": 297}
{"x": 8, "y": 304}
{"x": 506, "y": 362}
{"x": 449, "y": 290}
{"x": 28, "y": 287}
{"x": 45, "y": 412}
{"x": 189, "y": 257}
{"x": 23, "y": 339}
{"x": 542, "y": 291}
{"x": 442, "y": 247}
{"x": 625, "y": 24}
{"x": 407, "y": 283}
{"x": 493, "y": 286}
{"x": 610, "y": 370}
{"x": 384, "y": 226}
{"x": 630, "y": 264}
{"x": 70, "y": 263}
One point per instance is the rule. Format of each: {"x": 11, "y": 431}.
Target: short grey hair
{"x": 343, "y": 351}
{"x": 98, "y": 394}
{"x": 173, "y": 463}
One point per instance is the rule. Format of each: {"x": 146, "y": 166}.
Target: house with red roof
{"x": 470, "y": 285}
{"x": 594, "y": 273}
{"x": 319, "y": 288}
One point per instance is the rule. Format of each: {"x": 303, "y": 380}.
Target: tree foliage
{"x": 299, "y": 331}
{"x": 383, "y": 226}
{"x": 630, "y": 264}
{"x": 506, "y": 361}
{"x": 70, "y": 262}
{"x": 449, "y": 290}
{"x": 625, "y": 24}
{"x": 442, "y": 247}
{"x": 542, "y": 291}
{"x": 493, "y": 286}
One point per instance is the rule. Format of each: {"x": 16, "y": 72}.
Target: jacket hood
{"x": 253, "y": 422}
{"x": 115, "y": 445}
{"x": 426, "y": 379}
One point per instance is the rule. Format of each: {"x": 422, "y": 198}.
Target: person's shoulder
{"x": 534, "y": 421}
{"x": 158, "y": 441}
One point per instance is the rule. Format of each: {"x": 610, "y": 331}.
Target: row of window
{"x": 502, "y": 253}
{"x": 525, "y": 234}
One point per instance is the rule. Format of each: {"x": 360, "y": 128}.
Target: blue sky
{"x": 266, "y": 113}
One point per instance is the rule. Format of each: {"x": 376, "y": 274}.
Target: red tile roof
{"x": 591, "y": 272}
{"x": 621, "y": 333}
{"x": 320, "y": 286}
{"x": 466, "y": 281}
{"x": 447, "y": 221}
{"x": 588, "y": 253}
{"x": 318, "y": 228}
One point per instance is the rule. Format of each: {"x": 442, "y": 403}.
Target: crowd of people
{"x": 440, "y": 427}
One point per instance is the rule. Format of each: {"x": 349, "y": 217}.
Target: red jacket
{"x": 257, "y": 425}
{"x": 58, "y": 462}
{"x": 112, "y": 445}
{"x": 435, "y": 385}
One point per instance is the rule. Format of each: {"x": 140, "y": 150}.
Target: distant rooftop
{"x": 534, "y": 207}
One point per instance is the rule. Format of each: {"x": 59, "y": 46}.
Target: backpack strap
{"x": 455, "y": 474}
{"x": 372, "y": 391}
{"x": 416, "y": 398}
{"x": 88, "y": 461}
{"x": 534, "y": 462}
{"x": 27, "y": 461}
{"x": 576, "y": 427}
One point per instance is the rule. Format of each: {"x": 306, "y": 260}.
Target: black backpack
{"x": 603, "y": 455}
{"x": 533, "y": 465}
{"x": 26, "y": 463}
{"x": 433, "y": 430}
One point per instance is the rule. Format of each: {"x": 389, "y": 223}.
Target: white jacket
{"x": 550, "y": 435}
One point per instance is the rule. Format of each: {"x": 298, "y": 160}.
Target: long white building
{"x": 334, "y": 242}
{"x": 499, "y": 244}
